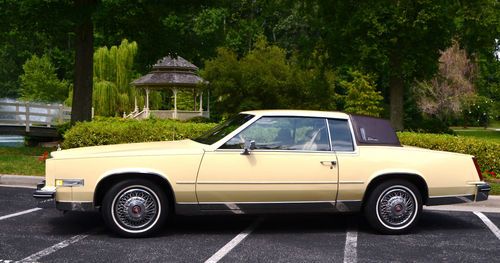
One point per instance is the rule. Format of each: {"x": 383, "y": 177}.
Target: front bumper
{"x": 45, "y": 196}
{"x": 46, "y": 199}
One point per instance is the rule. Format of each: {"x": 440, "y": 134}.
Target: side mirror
{"x": 249, "y": 145}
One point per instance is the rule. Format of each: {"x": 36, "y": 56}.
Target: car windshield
{"x": 220, "y": 131}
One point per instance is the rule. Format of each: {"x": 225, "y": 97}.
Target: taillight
{"x": 477, "y": 168}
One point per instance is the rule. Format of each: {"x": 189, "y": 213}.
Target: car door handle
{"x": 330, "y": 163}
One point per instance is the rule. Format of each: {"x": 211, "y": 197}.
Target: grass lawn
{"x": 478, "y": 132}
{"x": 22, "y": 160}
{"x": 495, "y": 188}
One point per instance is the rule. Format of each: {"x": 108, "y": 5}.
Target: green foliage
{"x": 113, "y": 73}
{"x": 266, "y": 79}
{"x": 103, "y": 131}
{"x": 362, "y": 96}
{"x": 477, "y": 111}
{"x": 40, "y": 83}
{"x": 485, "y": 150}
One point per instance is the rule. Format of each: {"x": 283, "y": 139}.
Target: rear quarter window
{"x": 373, "y": 131}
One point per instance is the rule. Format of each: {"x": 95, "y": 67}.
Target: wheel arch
{"x": 414, "y": 178}
{"x": 111, "y": 178}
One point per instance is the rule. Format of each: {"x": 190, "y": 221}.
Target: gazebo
{"x": 174, "y": 73}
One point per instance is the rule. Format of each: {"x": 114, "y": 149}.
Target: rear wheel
{"x": 393, "y": 207}
{"x": 135, "y": 208}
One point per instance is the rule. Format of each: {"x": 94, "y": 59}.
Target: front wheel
{"x": 135, "y": 208}
{"x": 393, "y": 207}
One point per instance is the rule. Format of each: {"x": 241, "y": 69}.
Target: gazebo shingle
{"x": 168, "y": 79}
{"x": 171, "y": 72}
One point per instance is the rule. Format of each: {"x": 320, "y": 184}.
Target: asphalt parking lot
{"x": 45, "y": 235}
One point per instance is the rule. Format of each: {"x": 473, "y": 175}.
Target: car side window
{"x": 284, "y": 133}
{"x": 341, "y": 135}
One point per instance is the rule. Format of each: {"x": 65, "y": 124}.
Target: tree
{"x": 40, "y": 83}
{"x": 262, "y": 79}
{"x": 81, "y": 109}
{"x": 362, "y": 96}
{"x": 398, "y": 41}
{"x": 113, "y": 71}
{"x": 442, "y": 95}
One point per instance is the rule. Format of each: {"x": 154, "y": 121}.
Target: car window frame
{"x": 353, "y": 139}
{"x": 256, "y": 118}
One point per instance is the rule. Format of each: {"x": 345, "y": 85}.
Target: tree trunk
{"x": 396, "y": 94}
{"x": 82, "y": 90}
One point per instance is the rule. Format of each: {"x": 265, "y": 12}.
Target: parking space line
{"x": 351, "y": 244}
{"x": 233, "y": 243}
{"x": 52, "y": 249}
{"x": 489, "y": 224}
{"x": 20, "y": 213}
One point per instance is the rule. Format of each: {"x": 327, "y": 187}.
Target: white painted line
{"x": 53, "y": 248}
{"x": 6, "y": 261}
{"x": 20, "y": 213}
{"x": 351, "y": 244}
{"x": 233, "y": 243}
{"x": 489, "y": 224}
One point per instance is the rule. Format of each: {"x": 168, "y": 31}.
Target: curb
{"x": 23, "y": 180}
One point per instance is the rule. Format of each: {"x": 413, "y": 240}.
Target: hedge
{"x": 103, "y": 131}
{"x": 116, "y": 130}
{"x": 486, "y": 151}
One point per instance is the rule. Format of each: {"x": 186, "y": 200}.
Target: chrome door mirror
{"x": 249, "y": 145}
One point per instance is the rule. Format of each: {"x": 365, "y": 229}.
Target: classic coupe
{"x": 265, "y": 161}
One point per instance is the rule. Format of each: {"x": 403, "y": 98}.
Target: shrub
{"x": 485, "y": 150}
{"x": 103, "y": 131}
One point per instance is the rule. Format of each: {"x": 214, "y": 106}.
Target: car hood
{"x": 133, "y": 149}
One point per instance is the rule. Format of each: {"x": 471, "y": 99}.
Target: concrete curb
{"x": 22, "y": 180}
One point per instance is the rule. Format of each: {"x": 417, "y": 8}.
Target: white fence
{"x": 33, "y": 114}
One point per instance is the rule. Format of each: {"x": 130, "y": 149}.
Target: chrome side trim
{"x": 351, "y": 182}
{"x": 190, "y": 208}
{"x": 272, "y": 202}
{"x": 268, "y": 182}
{"x": 449, "y": 199}
{"x": 185, "y": 182}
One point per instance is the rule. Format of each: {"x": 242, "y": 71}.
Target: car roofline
{"x": 301, "y": 113}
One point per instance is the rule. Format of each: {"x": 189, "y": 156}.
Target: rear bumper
{"x": 482, "y": 193}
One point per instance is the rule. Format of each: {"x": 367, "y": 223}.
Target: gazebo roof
{"x": 170, "y": 72}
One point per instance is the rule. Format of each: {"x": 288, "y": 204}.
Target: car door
{"x": 292, "y": 164}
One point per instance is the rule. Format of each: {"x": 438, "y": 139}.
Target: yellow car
{"x": 263, "y": 162}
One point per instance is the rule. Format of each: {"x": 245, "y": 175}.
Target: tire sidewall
{"x": 372, "y": 212}
{"x": 111, "y": 196}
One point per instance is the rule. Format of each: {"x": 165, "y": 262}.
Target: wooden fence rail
{"x": 33, "y": 114}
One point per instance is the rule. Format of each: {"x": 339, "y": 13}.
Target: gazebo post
{"x": 194, "y": 99}
{"x": 208, "y": 102}
{"x": 174, "y": 90}
{"x": 146, "y": 107}
{"x": 201, "y": 103}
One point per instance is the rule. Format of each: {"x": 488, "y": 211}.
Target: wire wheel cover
{"x": 136, "y": 207}
{"x": 396, "y": 206}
